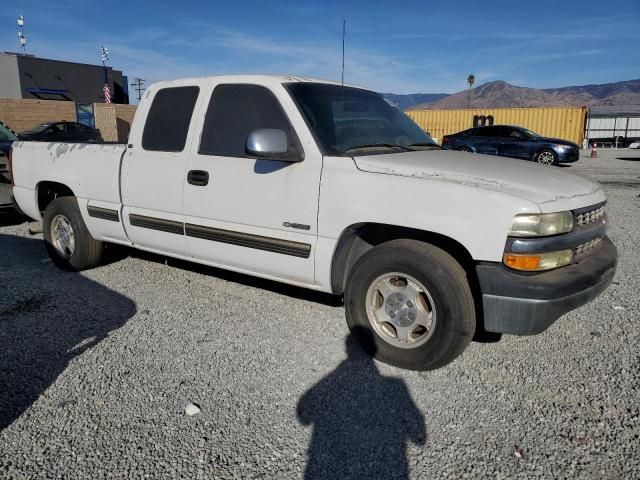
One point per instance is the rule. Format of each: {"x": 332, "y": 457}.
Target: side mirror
{"x": 271, "y": 144}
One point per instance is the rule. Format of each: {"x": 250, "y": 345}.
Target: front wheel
{"x": 413, "y": 301}
{"x": 69, "y": 243}
{"x": 546, "y": 157}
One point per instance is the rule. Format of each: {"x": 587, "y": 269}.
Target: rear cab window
{"x": 168, "y": 119}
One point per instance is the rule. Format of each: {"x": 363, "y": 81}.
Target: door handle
{"x": 199, "y": 178}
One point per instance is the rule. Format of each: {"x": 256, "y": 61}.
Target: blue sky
{"x": 399, "y": 47}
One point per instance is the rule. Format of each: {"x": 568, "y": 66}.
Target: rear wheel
{"x": 69, "y": 243}
{"x": 546, "y": 157}
{"x": 414, "y": 302}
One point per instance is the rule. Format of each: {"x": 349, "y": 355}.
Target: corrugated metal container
{"x": 556, "y": 122}
{"x": 609, "y": 127}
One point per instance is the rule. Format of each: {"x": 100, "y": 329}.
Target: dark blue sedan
{"x": 516, "y": 142}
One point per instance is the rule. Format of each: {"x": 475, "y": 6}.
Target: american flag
{"x": 107, "y": 93}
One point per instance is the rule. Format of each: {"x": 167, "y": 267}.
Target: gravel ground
{"x": 97, "y": 369}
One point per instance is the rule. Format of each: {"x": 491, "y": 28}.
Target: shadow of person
{"x": 361, "y": 421}
{"x": 47, "y": 317}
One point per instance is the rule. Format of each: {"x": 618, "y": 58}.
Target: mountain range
{"x": 502, "y": 94}
{"x": 410, "y": 101}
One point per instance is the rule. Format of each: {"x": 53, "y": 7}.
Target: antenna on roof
{"x": 23, "y": 39}
{"x": 344, "y": 31}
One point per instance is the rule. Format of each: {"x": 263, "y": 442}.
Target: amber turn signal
{"x": 534, "y": 262}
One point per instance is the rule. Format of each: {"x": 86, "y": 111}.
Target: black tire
{"x": 87, "y": 251}
{"x": 546, "y": 153}
{"x": 447, "y": 284}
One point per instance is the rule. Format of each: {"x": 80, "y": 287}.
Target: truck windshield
{"x": 351, "y": 121}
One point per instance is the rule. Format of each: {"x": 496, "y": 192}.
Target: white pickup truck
{"x": 329, "y": 187}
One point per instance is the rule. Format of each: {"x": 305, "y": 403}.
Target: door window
{"x": 234, "y": 112}
{"x": 168, "y": 119}
{"x": 487, "y": 132}
{"x": 54, "y": 131}
{"x": 512, "y": 134}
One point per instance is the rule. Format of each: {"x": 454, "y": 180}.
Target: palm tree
{"x": 470, "y": 80}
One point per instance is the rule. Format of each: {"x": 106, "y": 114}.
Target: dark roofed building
{"x": 27, "y": 76}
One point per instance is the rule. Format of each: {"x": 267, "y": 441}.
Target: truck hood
{"x": 550, "y": 188}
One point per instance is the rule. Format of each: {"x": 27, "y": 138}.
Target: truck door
{"x": 248, "y": 214}
{"x": 153, "y": 170}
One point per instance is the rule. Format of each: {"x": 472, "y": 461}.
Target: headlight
{"x": 561, "y": 147}
{"x": 534, "y": 262}
{"x": 541, "y": 224}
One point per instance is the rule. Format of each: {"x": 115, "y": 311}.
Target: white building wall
{"x": 609, "y": 127}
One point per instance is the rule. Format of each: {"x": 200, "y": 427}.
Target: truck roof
{"x": 257, "y": 79}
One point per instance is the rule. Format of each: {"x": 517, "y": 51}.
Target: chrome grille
{"x": 591, "y": 216}
{"x": 587, "y": 246}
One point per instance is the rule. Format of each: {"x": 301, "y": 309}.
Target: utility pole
{"x": 137, "y": 86}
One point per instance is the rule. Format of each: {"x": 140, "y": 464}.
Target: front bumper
{"x": 6, "y": 197}
{"x": 568, "y": 155}
{"x": 528, "y": 303}
{"x": 11, "y": 207}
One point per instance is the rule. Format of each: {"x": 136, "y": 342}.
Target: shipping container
{"x": 567, "y": 123}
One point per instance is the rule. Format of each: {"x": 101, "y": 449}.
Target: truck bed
{"x": 90, "y": 170}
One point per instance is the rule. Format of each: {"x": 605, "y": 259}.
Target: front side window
{"x": 237, "y": 110}
{"x": 347, "y": 119}
{"x": 168, "y": 119}
{"x": 531, "y": 134}
{"x": 512, "y": 134}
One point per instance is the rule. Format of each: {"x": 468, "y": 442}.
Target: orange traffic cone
{"x": 594, "y": 151}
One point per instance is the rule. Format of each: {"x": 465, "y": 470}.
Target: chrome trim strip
{"x": 103, "y": 213}
{"x": 160, "y": 224}
{"x": 275, "y": 245}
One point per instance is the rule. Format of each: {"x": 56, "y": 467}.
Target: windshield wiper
{"x": 425, "y": 144}
{"x": 379, "y": 145}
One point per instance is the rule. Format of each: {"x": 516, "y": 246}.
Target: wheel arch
{"x": 47, "y": 191}
{"x": 542, "y": 148}
{"x": 359, "y": 238}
